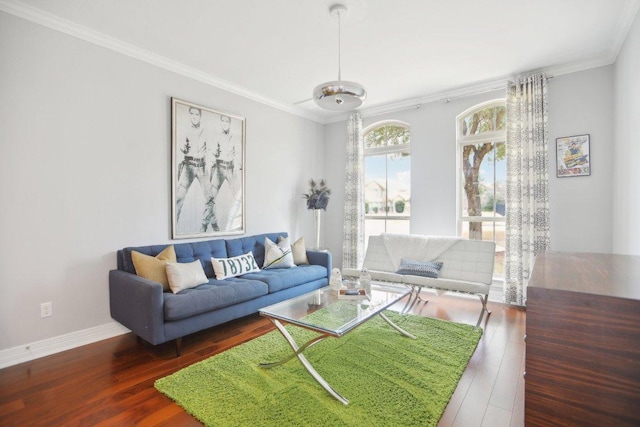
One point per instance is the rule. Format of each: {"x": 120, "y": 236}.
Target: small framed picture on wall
{"x": 572, "y": 156}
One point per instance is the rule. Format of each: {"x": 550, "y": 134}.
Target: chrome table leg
{"x": 298, "y": 352}
{"x": 396, "y": 327}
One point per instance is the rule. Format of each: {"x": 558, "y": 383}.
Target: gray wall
{"x": 85, "y": 170}
{"x": 626, "y": 215}
{"x": 580, "y": 207}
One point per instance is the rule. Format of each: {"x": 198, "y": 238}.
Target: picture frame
{"x": 207, "y": 171}
{"x": 573, "y": 156}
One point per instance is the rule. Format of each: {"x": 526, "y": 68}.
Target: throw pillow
{"x": 420, "y": 268}
{"x": 185, "y": 275}
{"x": 236, "y": 266}
{"x": 154, "y": 268}
{"x": 277, "y": 255}
{"x": 299, "y": 251}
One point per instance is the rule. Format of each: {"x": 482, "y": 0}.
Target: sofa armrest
{"x": 138, "y": 304}
{"x": 321, "y": 258}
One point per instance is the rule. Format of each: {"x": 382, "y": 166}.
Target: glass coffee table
{"x": 330, "y": 314}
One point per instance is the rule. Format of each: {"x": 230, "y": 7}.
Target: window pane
{"x": 387, "y": 180}
{"x": 387, "y": 184}
{"x": 398, "y": 184}
{"x": 484, "y": 179}
{"x": 397, "y": 135}
{"x": 482, "y": 186}
{"x": 375, "y": 184}
{"x": 486, "y": 120}
{"x": 374, "y": 227}
{"x": 385, "y": 136}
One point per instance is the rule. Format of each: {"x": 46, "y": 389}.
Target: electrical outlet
{"x": 46, "y": 309}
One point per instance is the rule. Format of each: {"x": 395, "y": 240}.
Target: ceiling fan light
{"x": 339, "y": 95}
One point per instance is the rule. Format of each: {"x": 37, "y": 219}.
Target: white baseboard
{"x": 38, "y": 349}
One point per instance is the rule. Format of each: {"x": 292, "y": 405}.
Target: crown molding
{"x": 57, "y": 23}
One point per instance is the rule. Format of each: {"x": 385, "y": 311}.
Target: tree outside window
{"x": 482, "y": 183}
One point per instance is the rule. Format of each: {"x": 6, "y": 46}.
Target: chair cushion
{"x": 447, "y": 284}
{"x": 420, "y": 268}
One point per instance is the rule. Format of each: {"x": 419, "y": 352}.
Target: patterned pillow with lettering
{"x": 236, "y": 266}
{"x": 420, "y": 268}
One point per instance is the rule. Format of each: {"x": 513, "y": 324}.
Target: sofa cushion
{"x": 253, "y": 244}
{"x": 211, "y": 296}
{"x": 420, "y": 268}
{"x": 185, "y": 252}
{"x": 185, "y": 275}
{"x": 278, "y": 255}
{"x": 154, "y": 267}
{"x": 203, "y": 251}
{"x": 299, "y": 251}
{"x": 279, "y": 279}
{"x": 235, "y": 266}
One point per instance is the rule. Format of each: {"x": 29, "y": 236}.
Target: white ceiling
{"x": 402, "y": 51}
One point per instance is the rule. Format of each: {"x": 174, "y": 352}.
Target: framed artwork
{"x": 572, "y": 156}
{"x": 207, "y": 171}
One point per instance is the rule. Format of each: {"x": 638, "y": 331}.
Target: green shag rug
{"x": 389, "y": 379}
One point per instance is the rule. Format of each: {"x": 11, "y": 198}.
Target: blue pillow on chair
{"x": 420, "y": 268}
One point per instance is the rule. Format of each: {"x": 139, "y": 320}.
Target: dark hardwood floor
{"x": 110, "y": 383}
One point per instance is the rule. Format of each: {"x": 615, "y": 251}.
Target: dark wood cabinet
{"x": 583, "y": 341}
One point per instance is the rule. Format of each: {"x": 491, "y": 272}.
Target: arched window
{"x": 482, "y": 177}
{"x": 387, "y": 178}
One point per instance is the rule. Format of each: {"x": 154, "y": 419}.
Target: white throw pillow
{"x": 299, "y": 251}
{"x": 185, "y": 275}
{"x": 235, "y": 266}
{"x": 278, "y": 256}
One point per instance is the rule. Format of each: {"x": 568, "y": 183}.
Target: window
{"x": 387, "y": 178}
{"x": 482, "y": 177}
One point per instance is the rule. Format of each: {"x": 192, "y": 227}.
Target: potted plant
{"x": 317, "y": 200}
{"x": 318, "y": 195}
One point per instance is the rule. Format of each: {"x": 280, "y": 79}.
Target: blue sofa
{"x": 157, "y": 316}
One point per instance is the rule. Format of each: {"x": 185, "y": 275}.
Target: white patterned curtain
{"x": 353, "y": 234}
{"x": 527, "y": 200}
